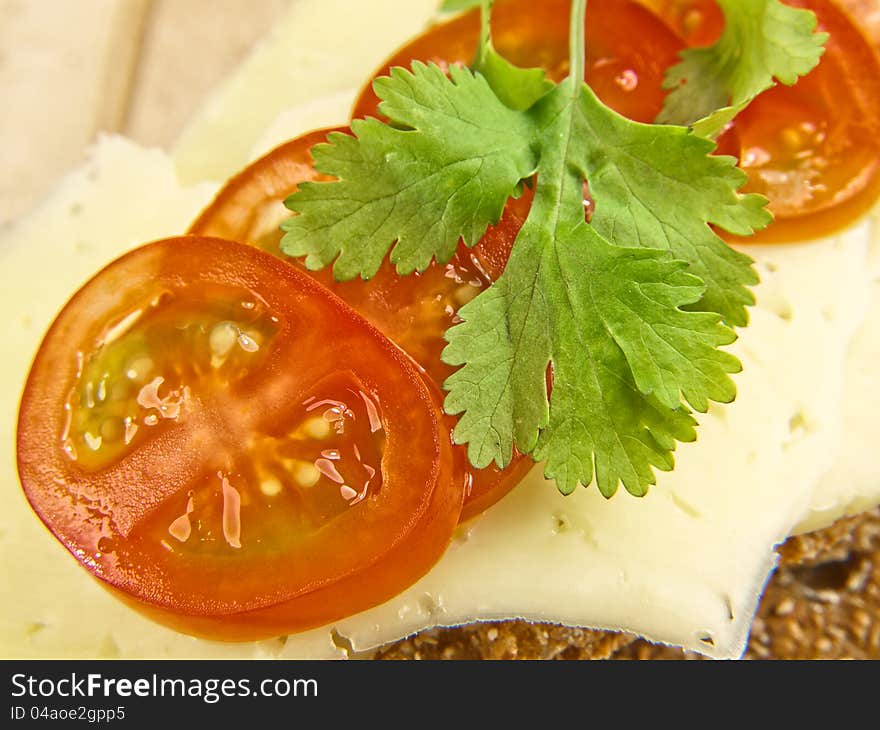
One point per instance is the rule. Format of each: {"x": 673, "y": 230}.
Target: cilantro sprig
{"x": 762, "y": 40}
{"x": 628, "y": 312}
{"x": 517, "y": 88}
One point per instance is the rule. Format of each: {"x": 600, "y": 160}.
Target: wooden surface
{"x": 70, "y": 69}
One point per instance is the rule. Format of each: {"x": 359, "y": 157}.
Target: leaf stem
{"x": 485, "y": 33}
{"x": 577, "y": 44}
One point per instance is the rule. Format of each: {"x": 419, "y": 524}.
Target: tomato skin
{"x": 865, "y": 14}
{"x": 358, "y": 559}
{"x": 248, "y": 204}
{"x": 247, "y": 210}
{"x": 813, "y": 148}
{"x": 627, "y": 76}
{"x": 823, "y": 132}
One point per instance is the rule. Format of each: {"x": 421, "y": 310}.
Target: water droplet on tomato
{"x": 627, "y": 80}
{"x": 89, "y": 395}
{"x": 92, "y": 441}
{"x": 130, "y": 429}
{"x": 181, "y": 528}
{"x": 169, "y": 407}
{"x": 372, "y": 412}
{"x": 328, "y": 469}
{"x": 247, "y": 342}
{"x": 231, "y": 514}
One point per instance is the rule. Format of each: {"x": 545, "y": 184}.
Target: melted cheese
{"x": 684, "y": 565}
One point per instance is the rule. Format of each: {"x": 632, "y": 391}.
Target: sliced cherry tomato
{"x": 698, "y": 22}
{"x": 813, "y": 148}
{"x": 232, "y": 448}
{"x": 413, "y": 311}
{"x": 628, "y": 49}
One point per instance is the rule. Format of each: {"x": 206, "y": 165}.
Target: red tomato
{"x": 413, "y": 311}
{"x": 813, "y": 148}
{"x": 628, "y": 49}
{"x": 232, "y": 448}
{"x": 866, "y": 14}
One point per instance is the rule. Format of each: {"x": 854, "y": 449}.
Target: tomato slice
{"x": 413, "y": 311}
{"x": 865, "y": 14}
{"x": 626, "y": 75}
{"x": 230, "y": 447}
{"x": 813, "y": 148}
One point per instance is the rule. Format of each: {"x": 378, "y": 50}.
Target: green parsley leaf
{"x": 658, "y": 186}
{"x": 443, "y": 172}
{"x": 762, "y": 40}
{"x": 455, "y": 6}
{"x": 627, "y": 310}
{"x": 518, "y": 88}
{"x": 598, "y": 308}
{"x": 609, "y": 319}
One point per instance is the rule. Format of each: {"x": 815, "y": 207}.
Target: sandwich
{"x": 682, "y": 563}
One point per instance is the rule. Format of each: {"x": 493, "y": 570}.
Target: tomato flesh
{"x": 413, "y": 311}
{"x": 626, "y": 75}
{"x": 813, "y": 148}
{"x": 162, "y": 344}
{"x": 259, "y": 475}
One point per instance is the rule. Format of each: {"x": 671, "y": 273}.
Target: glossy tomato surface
{"x": 813, "y": 148}
{"x": 628, "y": 49}
{"x": 414, "y": 311}
{"x": 232, "y": 448}
{"x": 866, "y": 14}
